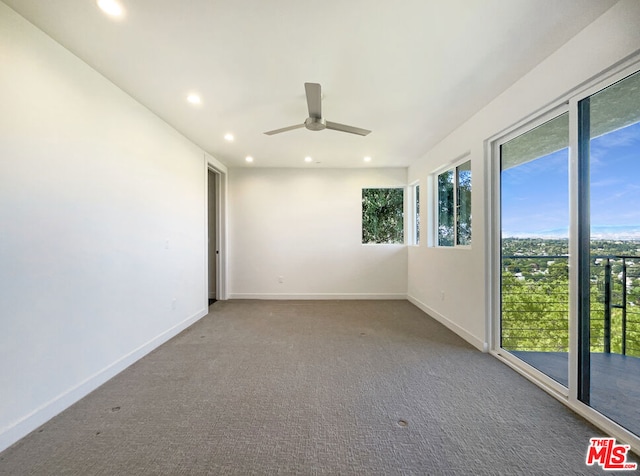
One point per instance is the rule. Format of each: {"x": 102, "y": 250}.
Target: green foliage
{"x": 535, "y": 296}
{"x": 454, "y": 206}
{"x": 535, "y": 313}
{"x": 383, "y": 215}
{"x": 464, "y": 204}
{"x": 446, "y": 208}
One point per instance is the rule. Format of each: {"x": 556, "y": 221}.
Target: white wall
{"x": 103, "y": 218}
{"x": 102, "y": 207}
{"x": 305, "y": 225}
{"x": 461, "y": 273}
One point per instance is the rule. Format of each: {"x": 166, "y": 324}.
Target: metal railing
{"x": 615, "y": 284}
{"x": 535, "y": 303}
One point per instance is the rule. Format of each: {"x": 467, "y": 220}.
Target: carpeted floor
{"x": 311, "y": 387}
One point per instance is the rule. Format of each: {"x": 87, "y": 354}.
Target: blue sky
{"x": 535, "y": 198}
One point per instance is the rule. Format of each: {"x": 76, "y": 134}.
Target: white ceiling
{"x": 411, "y": 70}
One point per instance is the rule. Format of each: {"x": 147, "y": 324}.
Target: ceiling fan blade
{"x": 314, "y": 99}
{"x": 285, "y": 129}
{"x": 344, "y": 128}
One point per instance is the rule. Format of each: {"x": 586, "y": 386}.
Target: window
{"x": 454, "y": 206}
{"x": 416, "y": 214}
{"x": 382, "y": 215}
{"x": 413, "y": 214}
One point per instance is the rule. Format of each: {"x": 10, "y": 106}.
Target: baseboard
{"x": 11, "y": 434}
{"x": 470, "y": 338}
{"x": 318, "y": 296}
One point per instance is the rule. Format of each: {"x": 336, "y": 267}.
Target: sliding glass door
{"x": 609, "y": 142}
{"x": 534, "y": 178}
{"x": 597, "y": 238}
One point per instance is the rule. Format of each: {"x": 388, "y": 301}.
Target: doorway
{"x": 212, "y": 234}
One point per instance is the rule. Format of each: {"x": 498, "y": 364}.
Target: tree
{"x": 535, "y": 296}
{"x": 383, "y": 215}
{"x": 446, "y": 212}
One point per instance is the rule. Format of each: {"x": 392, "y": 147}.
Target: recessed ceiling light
{"x": 308, "y": 159}
{"x": 249, "y": 159}
{"x": 194, "y": 99}
{"x": 228, "y": 137}
{"x": 111, "y": 7}
{"x": 367, "y": 159}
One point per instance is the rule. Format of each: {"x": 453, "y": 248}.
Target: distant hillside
{"x": 616, "y": 233}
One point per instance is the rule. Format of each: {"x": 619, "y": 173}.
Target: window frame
{"x": 435, "y": 208}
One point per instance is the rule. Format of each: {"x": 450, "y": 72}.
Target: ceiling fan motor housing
{"x": 315, "y": 123}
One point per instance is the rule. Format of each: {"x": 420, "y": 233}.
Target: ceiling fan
{"x": 315, "y": 121}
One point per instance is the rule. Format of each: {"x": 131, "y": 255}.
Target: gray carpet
{"x": 329, "y": 387}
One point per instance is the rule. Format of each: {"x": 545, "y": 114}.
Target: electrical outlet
{"x": 280, "y": 279}
{"x": 442, "y": 295}
{"x": 173, "y": 304}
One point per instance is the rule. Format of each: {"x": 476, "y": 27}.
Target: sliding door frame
{"x": 579, "y": 236}
{"x": 551, "y": 113}
{"x": 579, "y": 255}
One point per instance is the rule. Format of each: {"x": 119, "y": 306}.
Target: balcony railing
{"x": 535, "y": 304}
{"x": 617, "y": 281}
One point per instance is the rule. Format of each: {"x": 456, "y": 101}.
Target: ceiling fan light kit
{"x": 315, "y": 121}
